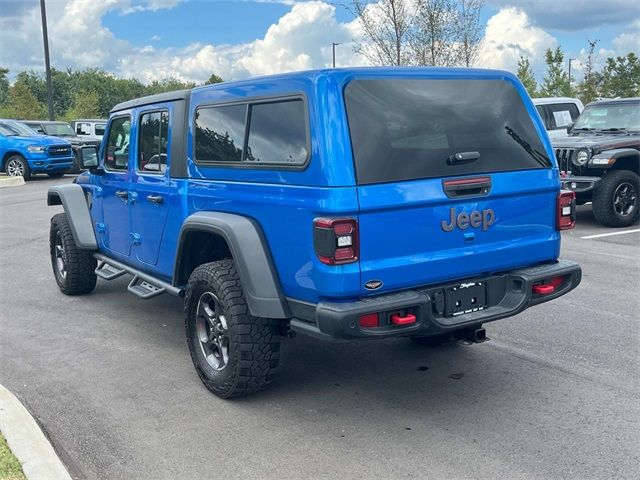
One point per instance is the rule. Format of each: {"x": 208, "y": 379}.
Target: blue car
{"x": 24, "y": 152}
{"x": 342, "y": 204}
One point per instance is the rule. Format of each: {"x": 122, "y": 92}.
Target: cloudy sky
{"x": 190, "y": 39}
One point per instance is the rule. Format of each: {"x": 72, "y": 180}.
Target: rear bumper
{"x": 508, "y": 294}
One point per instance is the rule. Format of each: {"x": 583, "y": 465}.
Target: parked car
{"x": 23, "y": 152}
{"x": 62, "y": 130}
{"x": 89, "y": 128}
{"x": 325, "y": 203}
{"x": 558, "y": 114}
{"x": 600, "y": 160}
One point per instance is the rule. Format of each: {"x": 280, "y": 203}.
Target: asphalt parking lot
{"x": 553, "y": 394}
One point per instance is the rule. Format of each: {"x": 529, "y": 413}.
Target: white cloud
{"x": 628, "y": 40}
{"x": 575, "y": 14}
{"x": 508, "y": 35}
{"x": 301, "y": 39}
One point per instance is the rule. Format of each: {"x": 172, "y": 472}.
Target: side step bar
{"x": 143, "y": 285}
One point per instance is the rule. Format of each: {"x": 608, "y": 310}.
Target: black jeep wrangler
{"x": 599, "y": 160}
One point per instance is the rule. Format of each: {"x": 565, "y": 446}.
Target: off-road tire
{"x": 26, "y": 171}
{"x": 433, "y": 340}
{"x": 253, "y": 343}
{"x": 79, "y": 265}
{"x": 603, "y": 199}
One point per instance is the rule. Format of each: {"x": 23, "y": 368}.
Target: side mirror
{"x": 88, "y": 157}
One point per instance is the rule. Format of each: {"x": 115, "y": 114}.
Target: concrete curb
{"x": 11, "y": 181}
{"x": 27, "y": 442}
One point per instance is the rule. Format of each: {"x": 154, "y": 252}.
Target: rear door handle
{"x": 122, "y": 194}
{"x": 157, "y": 199}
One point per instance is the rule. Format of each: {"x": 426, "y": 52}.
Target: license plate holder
{"x": 464, "y": 298}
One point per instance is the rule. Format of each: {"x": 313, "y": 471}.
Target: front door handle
{"x": 157, "y": 199}
{"x": 122, "y": 195}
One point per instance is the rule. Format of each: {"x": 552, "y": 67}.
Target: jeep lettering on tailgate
{"x": 464, "y": 220}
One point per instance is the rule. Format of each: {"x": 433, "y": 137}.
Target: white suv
{"x": 558, "y": 114}
{"x": 89, "y": 128}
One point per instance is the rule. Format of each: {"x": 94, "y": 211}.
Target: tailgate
{"x": 408, "y": 239}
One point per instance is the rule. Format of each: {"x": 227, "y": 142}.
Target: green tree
{"x": 589, "y": 86}
{"x": 85, "y": 105}
{"x": 556, "y": 81}
{"x": 525, "y": 74}
{"x": 23, "y": 104}
{"x": 213, "y": 79}
{"x": 4, "y": 86}
{"x": 167, "y": 85}
{"x": 621, "y": 76}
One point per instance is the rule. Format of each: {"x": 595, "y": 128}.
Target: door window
{"x": 153, "y": 141}
{"x": 117, "y": 149}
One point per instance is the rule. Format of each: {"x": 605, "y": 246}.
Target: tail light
{"x": 335, "y": 240}
{"x": 566, "y": 216}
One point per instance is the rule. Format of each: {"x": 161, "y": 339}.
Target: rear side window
{"x": 153, "y": 140}
{"x": 100, "y": 127}
{"x": 220, "y": 133}
{"x": 410, "y": 129}
{"x": 277, "y": 133}
{"x": 269, "y": 133}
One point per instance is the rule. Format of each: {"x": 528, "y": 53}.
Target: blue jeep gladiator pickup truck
{"x": 24, "y": 152}
{"x": 340, "y": 204}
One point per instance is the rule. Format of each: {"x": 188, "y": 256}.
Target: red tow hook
{"x": 406, "y": 320}
{"x": 543, "y": 289}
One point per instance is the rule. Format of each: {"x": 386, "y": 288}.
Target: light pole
{"x": 46, "y": 59}
{"x": 570, "y": 60}
{"x": 333, "y": 45}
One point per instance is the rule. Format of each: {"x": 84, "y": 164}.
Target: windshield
{"x": 59, "y": 129}
{"x": 616, "y": 116}
{"x": 405, "y": 129}
{"x": 12, "y": 128}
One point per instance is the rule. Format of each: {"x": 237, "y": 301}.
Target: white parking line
{"x": 610, "y": 234}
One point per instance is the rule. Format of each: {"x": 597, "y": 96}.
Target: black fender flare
{"x": 610, "y": 157}
{"x": 251, "y": 255}
{"x": 74, "y": 202}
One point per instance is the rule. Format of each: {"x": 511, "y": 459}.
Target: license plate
{"x": 465, "y": 298}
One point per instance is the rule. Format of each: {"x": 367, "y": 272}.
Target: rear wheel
{"x": 234, "y": 353}
{"x": 18, "y": 167}
{"x": 74, "y": 269}
{"x": 615, "y": 201}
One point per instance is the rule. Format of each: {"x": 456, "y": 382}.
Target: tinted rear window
{"x": 407, "y": 129}
{"x": 220, "y": 133}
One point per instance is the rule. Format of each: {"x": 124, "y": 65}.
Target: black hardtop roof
{"x": 151, "y": 99}
{"x": 615, "y": 100}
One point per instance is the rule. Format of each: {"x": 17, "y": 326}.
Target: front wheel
{"x": 615, "y": 201}
{"x": 18, "y": 167}
{"x": 234, "y": 353}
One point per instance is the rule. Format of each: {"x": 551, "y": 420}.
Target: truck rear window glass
{"x": 277, "y": 133}
{"x": 220, "y": 133}
{"x": 405, "y": 129}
